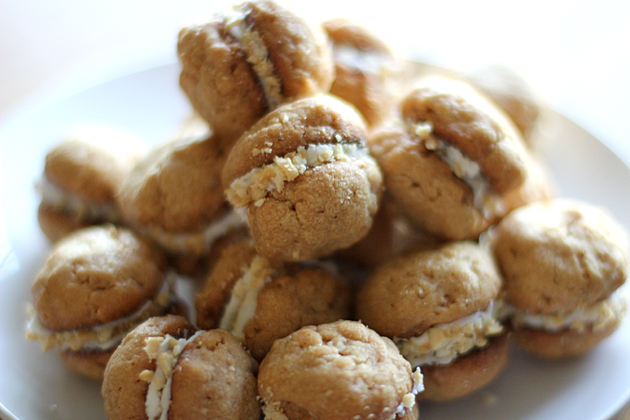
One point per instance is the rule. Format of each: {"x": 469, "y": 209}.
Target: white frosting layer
{"x": 595, "y": 317}
{"x": 67, "y": 202}
{"x": 257, "y": 54}
{"x": 466, "y": 169}
{"x": 257, "y": 183}
{"x": 165, "y": 351}
{"x": 243, "y": 301}
{"x": 409, "y": 399}
{"x": 442, "y": 343}
{"x": 197, "y": 242}
{"x": 100, "y": 337}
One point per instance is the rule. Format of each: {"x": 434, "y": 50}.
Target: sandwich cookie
{"x": 341, "y": 371}
{"x": 166, "y": 369}
{"x": 451, "y": 159}
{"x": 306, "y": 179}
{"x": 563, "y": 262}
{"x": 81, "y": 177}
{"x": 260, "y": 301}
{"x": 174, "y": 196}
{"x": 97, "y": 284}
{"x": 365, "y": 69}
{"x": 444, "y": 314}
{"x": 244, "y": 63}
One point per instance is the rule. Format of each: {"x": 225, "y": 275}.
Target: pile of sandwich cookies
{"x": 358, "y": 241}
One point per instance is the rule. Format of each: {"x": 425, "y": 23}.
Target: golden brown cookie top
{"x": 337, "y": 370}
{"x": 176, "y": 187}
{"x": 320, "y": 119}
{"x": 123, "y": 391}
{"x": 414, "y": 292}
{"x": 464, "y": 118}
{"x": 215, "y": 376}
{"x": 96, "y": 275}
{"x": 559, "y": 255}
{"x": 92, "y": 165}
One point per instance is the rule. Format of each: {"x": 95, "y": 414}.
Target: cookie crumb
{"x": 489, "y": 399}
{"x": 146, "y": 375}
{"x": 423, "y": 130}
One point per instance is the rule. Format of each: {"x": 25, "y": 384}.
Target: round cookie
{"x": 563, "y": 261}
{"x": 174, "y": 196}
{"x": 245, "y": 63}
{"x": 443, "y": 312}
{"x": 451, "y": 159}
{"x": 259, "y": 301}
{"x": 96, "y": 285}
{"x": 365, "y": 69}
{"x": 342, "y": 371}
{"x": 306, "y": 178}
{"x": 512, "y": 93}
{"x": 204, "y": 373}
{"x": 123, "y": 392}
{"x": 82, "y": 174}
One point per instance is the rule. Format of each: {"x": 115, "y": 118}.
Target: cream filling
{"x": 488, "y": 202}
{"x": 100, "y": 337}
{"x": 67, "y": 202}
{"x": 198, "y": 242}
{"x": 257, "y": 55}
{"x": 243, "y": 301}
{"x": 409, "y": 399}
{"x": 165, "y": 351}
{"x": 442, "y": 343}
{"x": 255, "y": 185}
{"x": 272, "y": 411}
{"x": 595, "y": 317}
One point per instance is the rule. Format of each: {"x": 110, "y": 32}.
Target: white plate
{"x": 35, "y": 386}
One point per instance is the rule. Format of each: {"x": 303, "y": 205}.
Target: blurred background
{"x": 573, "y": 53}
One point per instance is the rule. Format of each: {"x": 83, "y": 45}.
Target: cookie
{"x": 451, "y": 159}
{"x": 82, "y": 174}
{"x": 174, "y": 196}
{"x": 563, "y": 261}
{"x": 512, "y": 93}
{"x": 244, "y": 63}
{"x": 443, "y": 311}
{"x": 259, "y": 301}
{"x": 366, "y": 69}
{"x": 342, "y": 370}
{"x": 306, "y": 178}
{"x": 96, "y": 285}
{"x": 166, "y": 369}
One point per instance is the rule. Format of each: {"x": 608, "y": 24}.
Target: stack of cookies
{"x": 358, "y": 240}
